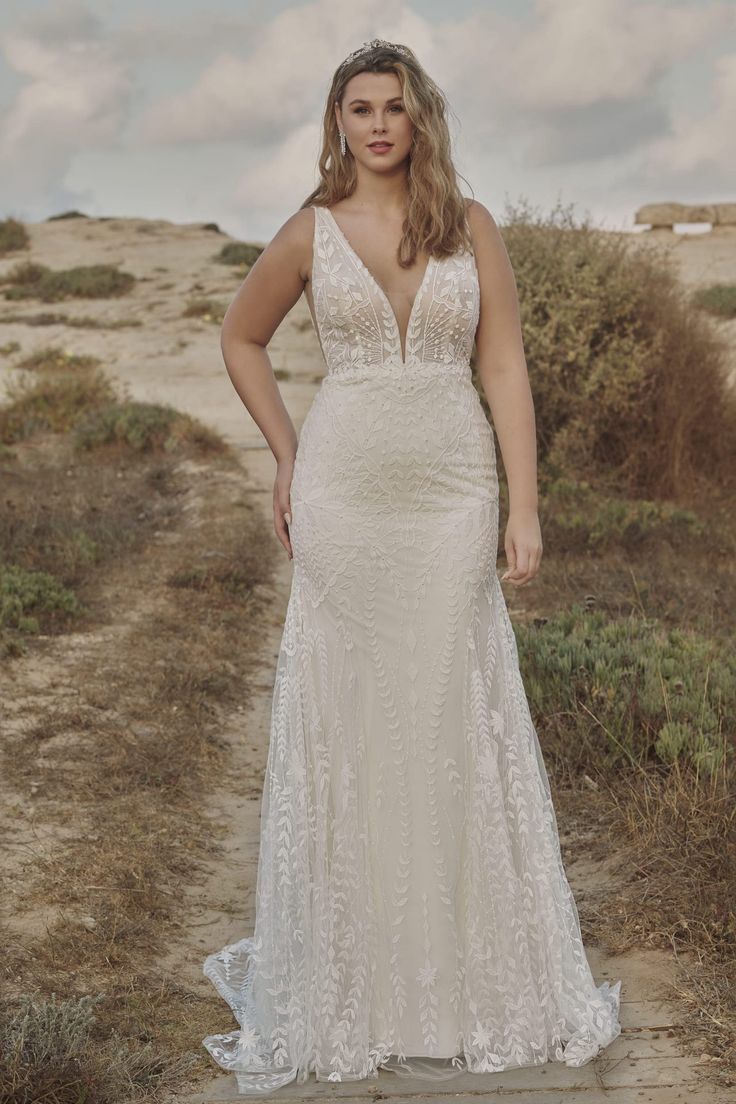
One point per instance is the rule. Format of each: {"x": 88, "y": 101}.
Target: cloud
{"x": 705, "y": 141}
{"x": 276, "y": 78}
{"x": 283, "y": 179}
{"x": 581, "y": 52}
{"x": 75, "y": 96}
{"x": 570, "y": 82}
{"x": 579, "y": 81}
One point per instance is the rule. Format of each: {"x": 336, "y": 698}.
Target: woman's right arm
{"x": 265, "y": 297}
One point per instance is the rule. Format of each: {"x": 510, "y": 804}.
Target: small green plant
{"x": 83, "y": 322}
{"x": 69, "y": 215}
{"x": 142, "y": 427}
{"x": 718, "y": 299}
{"x": 606, "y": 690}
{"x": 239, "y": 253}
{"x": 28, "y": 280}
{"x": 209, "y": 310}
{"x": 13, "y": 235}
{"x": 53, "y": 359}
{"x": 26, "y": 596}
{"x": 49, "y": 402}
{"x": 575, "y": 515}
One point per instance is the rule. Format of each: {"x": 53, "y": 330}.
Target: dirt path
{"x": 177, "y": 361}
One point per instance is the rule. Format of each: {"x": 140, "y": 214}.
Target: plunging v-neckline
{"x": 382, "y": 293}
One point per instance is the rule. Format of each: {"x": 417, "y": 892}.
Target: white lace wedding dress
{"x": 412, "y": 908}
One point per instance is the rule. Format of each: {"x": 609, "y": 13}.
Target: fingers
{"x": 281, "y": 523}
{"x": 523, "y": 566}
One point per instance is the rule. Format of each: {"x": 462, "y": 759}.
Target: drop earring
{"x": 343, "y": 144}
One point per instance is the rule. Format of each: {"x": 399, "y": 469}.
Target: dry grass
{"x": 13, "y": 236}
{"x": 665, "y": 828}
{"x": 84, "y": 322}
{"x": 675, "y": 846}
{"x": 111, "y": 743}
{"x": 629, "y": 375}
{"x": 209, "y": 310}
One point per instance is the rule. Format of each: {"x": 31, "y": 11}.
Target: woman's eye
{"x": 397, "y": 107}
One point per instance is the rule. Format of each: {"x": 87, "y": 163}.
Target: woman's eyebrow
{"x": 360, "y": 100}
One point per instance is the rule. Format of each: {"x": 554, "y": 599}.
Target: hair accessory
{"x": 374, "y": 44}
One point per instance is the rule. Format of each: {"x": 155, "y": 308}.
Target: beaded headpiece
{"x": 374, "y": 43}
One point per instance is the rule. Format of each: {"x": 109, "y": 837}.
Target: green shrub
{"x": 51, "y": 403}
{"x": 71, "y": 215}
{"x": 718, "y": 299}
{"x": 13, "y": 235}
{"x": 209, "y": 310}
{"x": 239, "y": 253}
{"x": 27, "y": 595}
{"x": 575, "y": 515}
{"x": 29, "y": 280}
{"x": 85, "y": 322}
{"x": 52, "y": 359}
{"x": 142, "y": 427}
{"x": 604, "y": 690}
{"x": 628, "y": 376}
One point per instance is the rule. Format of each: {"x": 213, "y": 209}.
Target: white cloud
{"x": 581, "y": 52}
{"x": 282, "y": 180}
{"x": 580, "y": 82}
{"x": 277, "y": 77}
{"x": 75, "y": 96}
{"x": 708, "y": 140}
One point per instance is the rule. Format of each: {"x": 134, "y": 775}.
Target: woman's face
{"x": 373, "y": 111}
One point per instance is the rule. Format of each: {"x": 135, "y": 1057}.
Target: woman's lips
{"x": 380, "y": 147}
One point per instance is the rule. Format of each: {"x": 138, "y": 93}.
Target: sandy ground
{"x": 177, "y": 360}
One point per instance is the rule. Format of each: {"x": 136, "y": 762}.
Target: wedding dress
{"x": 412, "y": 908}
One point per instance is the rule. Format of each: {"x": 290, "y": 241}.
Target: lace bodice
{"x": 357, "y": 325}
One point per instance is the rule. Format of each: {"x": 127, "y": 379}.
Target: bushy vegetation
{"x": 718, "y": 299}
{"x": 209, "y": 310}
{"x": 629, "y": 377}
{"x": 52, "y": 1051}
{"x": 29, "y": 280}
{"x": 53, "y": 359}
{"x": 83, "y": 402}
{"x": 51, "y": 403}
{"x": 13, "y": 236}
{"x": 239, "y": 253}
{"x": 142, "y": 427}
{"x": 606, "y": 691}
{"x": 27, "y": 595}
{"x": 82, "y": 322}
{"x": 574, "y": 516}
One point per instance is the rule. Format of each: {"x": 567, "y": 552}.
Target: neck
{"x": 386, "y": 193}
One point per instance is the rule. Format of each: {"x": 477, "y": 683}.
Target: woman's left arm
{"x": 502, "y": 371}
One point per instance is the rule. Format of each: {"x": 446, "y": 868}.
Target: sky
{"x": 194, "y": 111}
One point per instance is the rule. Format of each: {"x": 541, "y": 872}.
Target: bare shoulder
{"x": 483, "y": 226}
{"x": 293, "y": 241}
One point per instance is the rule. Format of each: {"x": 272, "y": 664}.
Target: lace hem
{"x": 259, "y": 1072}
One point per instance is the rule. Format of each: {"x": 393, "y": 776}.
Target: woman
{"x": 412, "y": 910}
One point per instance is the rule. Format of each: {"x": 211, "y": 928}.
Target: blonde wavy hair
{"x": 436, "y": 216}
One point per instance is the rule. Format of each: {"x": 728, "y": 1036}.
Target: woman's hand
{"x": 282, "y": 503}
{"x": 523, "y": 546}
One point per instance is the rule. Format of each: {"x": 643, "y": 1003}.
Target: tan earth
{"x": 176, "y": 360}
